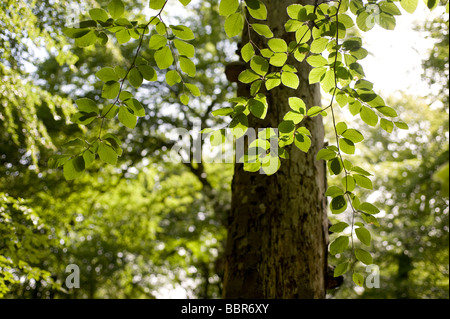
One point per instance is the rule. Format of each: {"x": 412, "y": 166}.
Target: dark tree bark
{"x": 277, "y": 228}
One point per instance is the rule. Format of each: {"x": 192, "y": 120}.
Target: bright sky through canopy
{"x": 395, "y": 60}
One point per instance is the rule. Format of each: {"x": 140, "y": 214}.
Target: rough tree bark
{"x": 277, "y": 228}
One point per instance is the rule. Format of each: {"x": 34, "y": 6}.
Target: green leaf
{"x": 349, "y": 183}
{"x": 368, "y": 208}
{"x": 136, "y": 107}
{"x": 184, "y": 48}
{"x": 363, "y": 181}
{"x": 123, "y": 36}
{"x": 255, "y": 87}
{"x": 325, "y": 154}
{"x": 328, "y": 81}
{"x": 369, "y": 219}
{"x": 303, "y": 34}
{"x": 363, "y": 235}
{"x": 348, "y": 165}
{"x": 294, "y": 117}
{"x": 319, "y": 45}
{"x": 317, "y": 61}
{"x": 352, "y": 44}
{"x": 341, "y": 127}
{"x": 161, "y": 28}
{"x": 234, "y": 24}
{"x": 87, "y": 105}
{"x": 334, "y": 191}
{"x": 157, "y": 4}
{"x": 57, "y": 160}
{"x": 387, "y": 125}
{"x": 432, "y": 4}
{"x": 339, "y": 227}
{"x": 363, "y": 256}
{"x": 110, "y": 111}
{"x": 286, "y": 127}
{"x": 148, "y": 72}
{"x": 126, "y": 118}
{"x": 247, "y": 52}
{"x": 75, "y": 33}
{"x": 187, "y": 66}
{"x": 185, "y": 2}
{"x": 184, "y": 99}
{"x": 353, "y": 135}
{"x": 292, "y": 25}
{"x": 347, "y": 146}
{"x": 258, "y": 108}
{"x": 74, "y": 168}
{"x": 278, "y": 45}
{"x": 83, "y": 118}
{"x": 239, "y": 124}
{"x": 256, "y": 9}
{"x": 294, "y": 11}
{"x": 88, "y": 157}
{"x": 359, "y": 170}
{"x": 303, "y": 130}
{"x": 157, "y": 42}
{"x": 107, "y": 74}
{"x": 316, "y": 75}
{"x": 98, "y": 14}
{"x": 290, "y": 80}
{"x": 314, "y": 111}
{"x": 172, "y": 77}
{"x": 227, "y": 7}
{"x": 339, "y": 245}
{"x": 358, "y": 279}
{"x": 409, "y": 5}
{"x": 386, "y": 21}
{"x": 272, "y": 81}
{"x": 335, "y": 166}
{"x": 110, "y": 90}
{"x": 163, "y": 58}
{"x": 248, "y": 76}
{"x": 77, "y": 142}
{"x": 368, "y": 116}
{"x": 278, "y": 59}
{"x": 102, "y": 38}
{"x": 338, "y": 205}
{"x": 259, "y": 65}
{"x": 401, "y": 125}
{"x": 182, "y": 32}
{"x": 121, "y": 72}
{"x": 390, "y": 8}
{"x": 107, "y": 154}
{"x": 86, "y": 40}
{"x": 340, "y": 269}
{"x": 193, "y": 89}
{"x": 223, "y": 111}
{"x": 135, "y": 78}
{"x": 271, "y": 165}
{"x": 116, "y": 8}
{"x": 303, "y": 142}
{"x": 297, "y": 105}
{"x": 262, "y": 29}
{"x": 365, "y": 21}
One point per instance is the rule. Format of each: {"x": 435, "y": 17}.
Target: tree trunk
{"x": 277, "y": 228}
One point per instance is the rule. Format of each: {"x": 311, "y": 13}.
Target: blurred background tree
{"x": 140, "y": 230}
